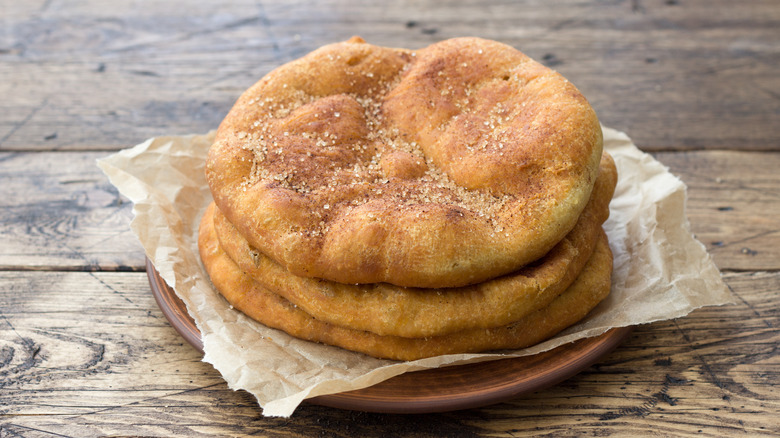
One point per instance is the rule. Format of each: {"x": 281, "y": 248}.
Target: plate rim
{"x": 370, "y": 399}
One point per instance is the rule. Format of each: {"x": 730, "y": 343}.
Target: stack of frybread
{"x": 407, "y": 204}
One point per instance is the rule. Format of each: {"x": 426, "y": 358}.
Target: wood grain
{"x": 93, "y": 356}
{"x": 59, "y": 210}
{"x": 733, "y": 205}
{"x": 79, "y": 75}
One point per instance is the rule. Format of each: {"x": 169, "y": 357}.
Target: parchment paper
{"x": 661, "y": 272}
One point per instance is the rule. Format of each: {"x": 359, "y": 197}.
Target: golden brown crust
{"x": 387, "y": 309}
{"x": 442, "y": 167}
{"x": 248, "y": 296}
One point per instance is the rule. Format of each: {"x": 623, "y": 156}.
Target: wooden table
{"x": 84, "y": 350}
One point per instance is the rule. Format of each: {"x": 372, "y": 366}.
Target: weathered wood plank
{"x": 734, "y": 205}
{"x": 89, "y": 354}
{"x": 79, "y": 75}
{"x": 60, "y": 211}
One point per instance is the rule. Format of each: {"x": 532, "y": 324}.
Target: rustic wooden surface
{"x": 84, "y": 351}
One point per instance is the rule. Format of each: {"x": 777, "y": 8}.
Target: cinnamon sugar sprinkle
{"x": 339, "y": 174}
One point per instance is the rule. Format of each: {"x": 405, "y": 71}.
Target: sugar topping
{"x": 443, "y": 167}
{"x": 343, "y": 154}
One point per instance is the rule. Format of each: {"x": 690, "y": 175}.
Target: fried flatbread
{"x": 270, "y": 309}
{"x": 442, "y": 167}
{"x": 387, "y": 309}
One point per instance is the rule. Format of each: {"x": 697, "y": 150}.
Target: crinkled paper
{"x": 660, "y": 272}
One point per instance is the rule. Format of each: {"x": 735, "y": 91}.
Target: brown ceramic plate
{"x": 441, "y": 389}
